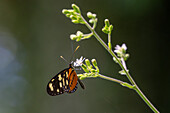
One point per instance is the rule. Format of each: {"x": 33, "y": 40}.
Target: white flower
{"x": 79, "y": 62}
{"x": 120, "y": 50}
{"x": 124, "y": 47}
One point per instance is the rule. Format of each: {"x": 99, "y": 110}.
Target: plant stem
{"x": 109, "y": 50}
{"x": 119, "y": 62}
{"x": 146, "y": 100}
{"x": 109, "y": 41}
{"x": 111, "y": 79}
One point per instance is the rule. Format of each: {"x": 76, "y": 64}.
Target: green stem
{"x": 125, "y": 84}
{"x": 111, "y": 79}
{"x": 119, "y": 62}
{"x": 146, "y": 100}
{"x": 109, "y": 50}
{"x": 109, "y": 41}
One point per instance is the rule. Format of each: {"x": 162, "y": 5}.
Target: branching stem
{"x": 121, "y": 65}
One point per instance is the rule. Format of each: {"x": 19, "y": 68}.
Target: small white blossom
{"x": 117, "y": 47}
{"x": 124, "y": 47}
{"x": 120, "y": 50}
{"x": 79, "y": 62}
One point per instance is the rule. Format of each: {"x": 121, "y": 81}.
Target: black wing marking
{"x": 59, "y": 83}
{"x": 64, "y": 81}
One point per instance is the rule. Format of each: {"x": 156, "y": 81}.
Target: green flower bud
{"x": 70, "y": 11}
{"x": 65, "y": 11}
{"x": 82, "y": 77}
{"x": 76, "y": 8}
{"x": 105, "y": 30}
{"x": 107, "y": 22}
{"x": 110, "y": 28}
{"x": 93, "y": 70}
{"x": 84, "y": 67}
{"x": 91, "y": 21}
{"x": 73, "y": 17}
{"x": 95, "y": 20}
{"x": 126, "y": 56}
{"x": 75, "y": 21}
{"x": 68, "y": 15}
{"x": 73, "y": 37}
{"x": 94, "y": 15}
{"x": 79, "y": 34}
{"x": 87, "y": 62}
{"x": 89, "y": 15}
{"x": 116, "y": 60}
{"x": 94, "y": 62}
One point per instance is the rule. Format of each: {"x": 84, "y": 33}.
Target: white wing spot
{"x": 58, "y": 90}
{"x": 51, "y": 87}
{"x": 60, "y": 85}
{"x": 66, "y": 82}
{"x": 66, "y": 74}
{"x": 59, "y": 77}
{"x": 63, "y": 82}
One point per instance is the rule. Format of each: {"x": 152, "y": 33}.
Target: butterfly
{"x": 64, "y": 81}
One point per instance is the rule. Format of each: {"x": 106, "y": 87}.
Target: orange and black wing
{"x": 64, "y": 81}
{"x": 72, "y": 77}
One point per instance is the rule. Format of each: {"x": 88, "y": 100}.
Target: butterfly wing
{"x": 64, "y": 81}
{"x": 59, "y": 83}
{"x": 72, "y": 77}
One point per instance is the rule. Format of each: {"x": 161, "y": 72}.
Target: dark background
{"x": 34, "y": 33}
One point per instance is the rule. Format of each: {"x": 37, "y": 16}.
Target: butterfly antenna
{"x": 64, "y": 59}
{"x": 74, "y": 53}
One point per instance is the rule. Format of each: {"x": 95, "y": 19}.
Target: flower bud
{"x": 76, "y": 8}
{"x": 73, "y": 37}
{"x": 73, "y": 17}
{"x": 75, "y": 21}
{"x": 79, "y": 33}
{"x": 87, "y": 62}
{"x": 91, "y": 21}
{"x": 84, "y": 67}
{"x": 94, "y": 15}
{"x": 93, "y": 70}
{"x": 94, "y": 62}
{"x": 110, "y": 28}
{"x": 107, "y": 22}
{"x": 89, "y": 15}
{"x": 65, "y": 11}
{"x": 105, "y": 30}
{"x": 127, "y": 55}
{"x": 82, "y": 77}
{"x": 68, "y": 15}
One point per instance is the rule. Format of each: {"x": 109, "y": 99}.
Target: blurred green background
{"x": 34, "y": 33}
